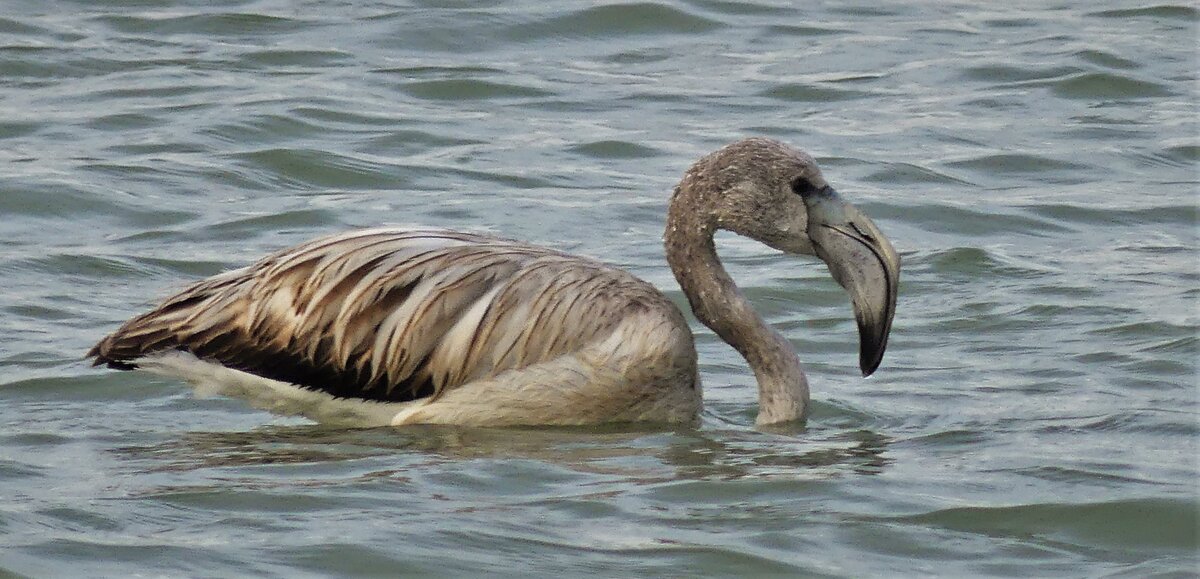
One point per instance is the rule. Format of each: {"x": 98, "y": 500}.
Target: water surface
{"x": 1036, "y": 165}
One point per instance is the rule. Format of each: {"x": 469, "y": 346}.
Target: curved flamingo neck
{"x": 719, "y": 304}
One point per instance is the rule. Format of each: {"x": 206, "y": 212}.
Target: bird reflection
{"x": 715, "y": 451}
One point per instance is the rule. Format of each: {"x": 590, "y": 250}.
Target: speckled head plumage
{"x": 747, "y": 187}
{"x": 768, "y": 191}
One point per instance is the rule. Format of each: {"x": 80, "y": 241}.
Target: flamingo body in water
{"x": 392, "y": 326}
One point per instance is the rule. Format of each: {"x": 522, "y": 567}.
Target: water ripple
{"x": 469, "y": 90}
{"x": 1017, "y": 163}
{"x": 1102, "y": 85}
{"x": 616, "y": 150}
{"x": 1173, "y": 11}
{"x": 615, "y": 21}
{"x": 316, "y": 168}
{"x": 225, "y": 24}
{"x": 810, "y": 93}
{"x": 1155, "y": 524}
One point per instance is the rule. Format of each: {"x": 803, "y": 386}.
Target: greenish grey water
{"x": 1036, "y": 164}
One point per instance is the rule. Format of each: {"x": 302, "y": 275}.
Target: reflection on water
{"x": 643, "y": 453}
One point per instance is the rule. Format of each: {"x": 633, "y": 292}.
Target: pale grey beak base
{"x": 863, "y": 262}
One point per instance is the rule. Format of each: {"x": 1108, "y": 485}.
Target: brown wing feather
{"x": 389, "y": 314}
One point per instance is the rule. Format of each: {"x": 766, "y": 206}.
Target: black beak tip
{"x": 870, "y": 355}
{"x": 868, "y": 365}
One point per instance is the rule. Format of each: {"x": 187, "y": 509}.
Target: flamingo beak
{"x": 863, "y": 262}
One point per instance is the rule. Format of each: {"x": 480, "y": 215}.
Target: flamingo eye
{"x": 802, "y": 186}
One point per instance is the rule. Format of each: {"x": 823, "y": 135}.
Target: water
{"x": 1036, "y": 165}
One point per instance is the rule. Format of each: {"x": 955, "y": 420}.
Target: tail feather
{"x": 164, "y": 328}
{"x": 119, "y": 349}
